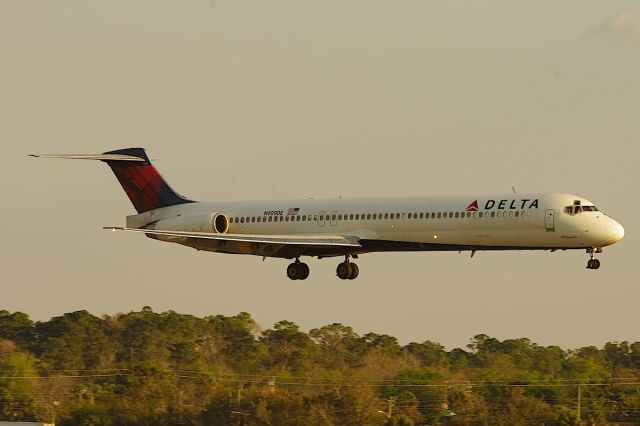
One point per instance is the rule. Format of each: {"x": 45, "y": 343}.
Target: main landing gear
{"x": 593, "y": 263}
{"x": 347, "y": 270}
{"x": 298, "y": 270}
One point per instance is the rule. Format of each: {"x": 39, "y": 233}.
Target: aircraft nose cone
{"x": 615, "y": 232}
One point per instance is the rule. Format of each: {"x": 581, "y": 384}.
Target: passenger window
{"x": 456, "y": 215}
{"x": 517, "y": 214}
{"x": 493, "y": 214}
{"x": 297, "y": 218}
{"x": 439, "y": 215}
{"x": 375, "y": 216}
{"x": 304, "y": 217}
{"x": 479, "y": 214}
{"x": 369, "y": 216}
{"x": 230, "y": 220}
{"x": 358, "y": 216}
{"x": 253, "y": 219}
{"x": 422, "y": 215}
{"x": 333, "y": 217}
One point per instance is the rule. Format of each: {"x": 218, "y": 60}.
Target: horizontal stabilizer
{"x": 290, "y": 240}
{"x": 99, "y": 157}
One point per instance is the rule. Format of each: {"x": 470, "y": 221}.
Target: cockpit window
{"x": 576, "y": 208}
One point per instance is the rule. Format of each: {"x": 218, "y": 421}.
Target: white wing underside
{"x": 318, "y": 241}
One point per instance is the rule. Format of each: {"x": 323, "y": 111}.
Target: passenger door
{"x": 549, "y": 220}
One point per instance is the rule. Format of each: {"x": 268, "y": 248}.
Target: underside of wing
{"x": 282, "y": 246}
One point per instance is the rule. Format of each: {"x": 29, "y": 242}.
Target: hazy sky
{"x": 271, "y": 99}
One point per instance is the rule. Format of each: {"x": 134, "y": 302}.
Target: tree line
{"x": 149, "y": 368}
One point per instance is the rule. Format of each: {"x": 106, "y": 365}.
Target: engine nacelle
{"x": 216, "y": 223}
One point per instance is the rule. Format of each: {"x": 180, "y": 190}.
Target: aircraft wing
{"x": 316, "y": 241}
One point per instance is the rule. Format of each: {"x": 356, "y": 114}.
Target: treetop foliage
{"x": 149, "y": 368}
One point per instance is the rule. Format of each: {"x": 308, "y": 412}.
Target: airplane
{"x": 344, "y": 227}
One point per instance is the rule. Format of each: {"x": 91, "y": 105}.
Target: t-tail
{"x": 144, "y": 186}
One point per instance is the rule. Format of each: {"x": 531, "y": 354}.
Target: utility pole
{"x": 240, "y": 389}
{"x": 445, "y": 401}
{"x": 392, "y": 403}
{"x": 579, "y": 408}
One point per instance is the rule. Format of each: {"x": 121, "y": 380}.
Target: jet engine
{"x": 216, "y": 223}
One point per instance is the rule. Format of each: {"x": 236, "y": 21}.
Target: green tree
{"x": 288, "y": 348}
{"x": 74, "y": 341}
{"x": 18, "y": 328}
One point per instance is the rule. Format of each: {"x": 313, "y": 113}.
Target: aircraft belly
{"x": 266, "y": 250}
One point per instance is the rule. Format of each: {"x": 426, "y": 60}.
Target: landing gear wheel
{"x": 303, "y": 270}
{"x": 344, "y": 270}
{"x": 292, "y": 271}
{"x": 298, "y": 271}
{"x": 354, "y": 271}
{"x": 593, "y": 264}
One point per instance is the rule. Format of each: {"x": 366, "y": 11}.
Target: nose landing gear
{"x": 593, "y": 263}
{"x": 298, "y": 270}
{"x": 347, "y": 270}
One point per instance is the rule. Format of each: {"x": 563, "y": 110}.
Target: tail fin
{"x": 146, "y": 189}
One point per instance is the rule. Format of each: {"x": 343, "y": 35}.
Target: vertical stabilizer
{"x": 146, "y": 189}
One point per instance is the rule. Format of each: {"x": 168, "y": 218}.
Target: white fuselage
{"x": 492, "y": 222}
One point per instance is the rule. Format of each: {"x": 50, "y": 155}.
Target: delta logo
{"x": 522, "y": 204}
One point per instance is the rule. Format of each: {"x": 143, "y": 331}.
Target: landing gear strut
{"x": 347, "y": 270}
{"x": 298, "y": 270}
{"x": 593, "y": 263}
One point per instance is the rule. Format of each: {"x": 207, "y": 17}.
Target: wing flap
{"x": 293, "y": 240}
